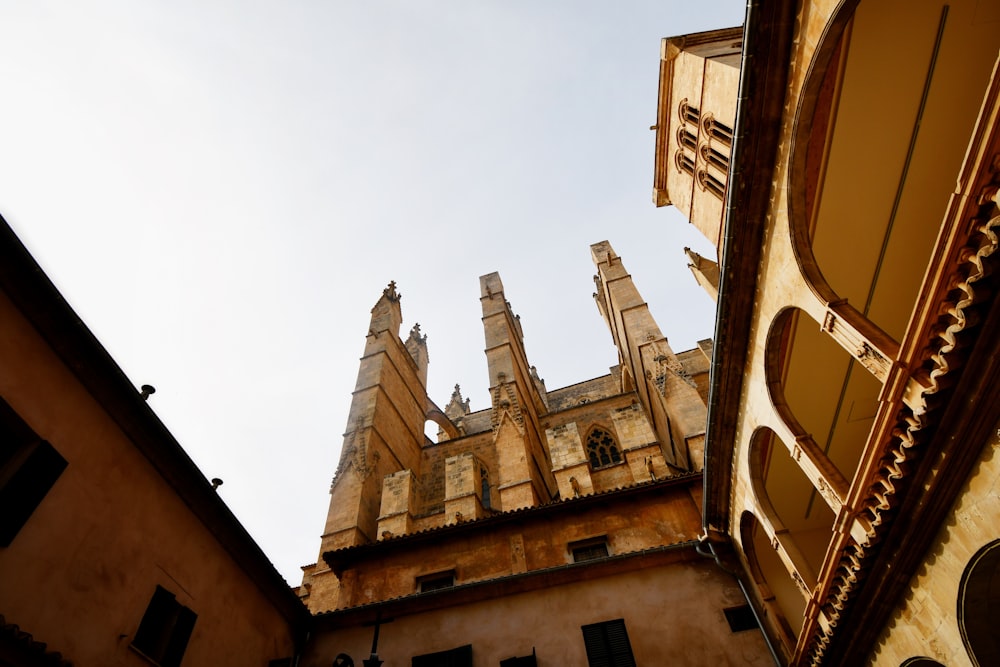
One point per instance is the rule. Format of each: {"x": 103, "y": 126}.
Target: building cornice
{"x": 767, "y": 42}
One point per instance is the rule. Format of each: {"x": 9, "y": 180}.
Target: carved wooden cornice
{"x": 957, "y": 295}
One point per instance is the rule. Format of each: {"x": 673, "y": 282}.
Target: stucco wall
{"x": 673, "y": 615}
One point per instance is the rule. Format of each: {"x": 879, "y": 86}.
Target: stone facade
{"x": 857, "y": 320}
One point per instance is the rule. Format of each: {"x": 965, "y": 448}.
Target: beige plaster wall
{"x": 673, "y": 615}
{"x": 80, "y": 574}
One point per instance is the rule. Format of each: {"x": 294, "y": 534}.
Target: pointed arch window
{"x": 602, "y": 450}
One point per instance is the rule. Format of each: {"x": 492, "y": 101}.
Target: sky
{"x": 221, "y": 190}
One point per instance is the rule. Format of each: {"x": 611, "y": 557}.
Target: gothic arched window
{"x": 602, "y": 450}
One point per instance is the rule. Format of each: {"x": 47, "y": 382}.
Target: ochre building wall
{"x": 82, "y": 570}
{"x": 686, "y": 598}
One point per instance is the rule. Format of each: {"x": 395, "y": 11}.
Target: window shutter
{"x": 607, "y": 644}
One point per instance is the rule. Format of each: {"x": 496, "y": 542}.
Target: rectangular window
{"x": 589, "y": 550}
{"x": 435, "y": 582}
{"x": 165, "y": 629}
{"x": 29, "y": 467}
{"x": 608, "y": 645}
{"x": 740, "y": 618}
{"x": 456, "y": 657}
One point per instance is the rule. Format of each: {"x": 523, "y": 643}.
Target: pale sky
{"x": 222, "y": 190}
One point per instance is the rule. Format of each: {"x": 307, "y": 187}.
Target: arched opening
{"x": 821, "y": 390}
{"x": 979, "y": 606}
{"x": 777, "y": 590}
{"x": 883, "y": 124}
{"x": 921, "y": 662}
{"x": 789, "y": 497}
{"x": 438, "y": 428}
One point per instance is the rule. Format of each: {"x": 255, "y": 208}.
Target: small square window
{"x": 740, "y": 618}
{"x": 436, "y": 582}
{"x": 165, "y": 629}
{"x": 594, "y": 549}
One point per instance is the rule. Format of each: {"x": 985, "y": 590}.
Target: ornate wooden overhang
{"x": 947, "y": 401}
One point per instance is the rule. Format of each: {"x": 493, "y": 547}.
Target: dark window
{"x": 718, "y": 131}
{"x": 526, "y": 661}
{"x": 29, "y": 467}
{"x": 164, "y": 630}
{"x": 921, "y": 662}
{"x": 686, "y": 138}
{"x": 607, "y": 644}
{"x": 602, "y": 449}
{"x": 590, "y": 551}
{"x": 740, "y": 618}
{"x": 688, "y": 113}
{"x": 435, "y": 582}
{"x": 456, "y": 657}
{"x": 683, "y": 162}
{"x": 709, "y": 182}
{"x": 717, "y": 159}
{"x": 484, "y": 487}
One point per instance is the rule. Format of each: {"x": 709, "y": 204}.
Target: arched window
{"x": 979, "y": 605}
{"x": 709, "y": 182}
{"x": 602, "y": 449}
{"x": 686, "y": 138}
{"x": 688, "y": 113}
{"x": 921, "y": 662}
{"x": 683, "y": 162}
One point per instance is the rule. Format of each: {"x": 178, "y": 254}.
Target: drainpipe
{"x": 703, "y": 540}
{"x": 743, "y": 96}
